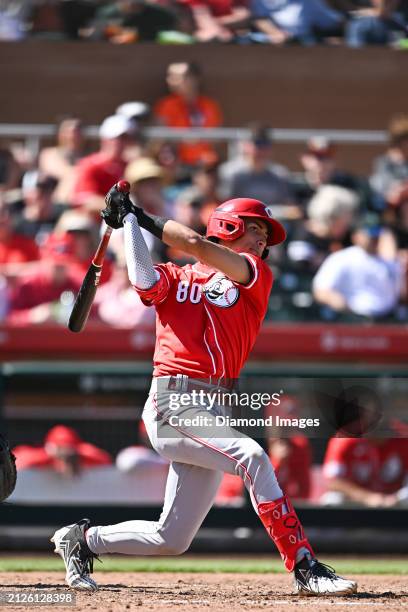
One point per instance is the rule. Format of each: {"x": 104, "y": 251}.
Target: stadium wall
{"x": 331, "y": 87}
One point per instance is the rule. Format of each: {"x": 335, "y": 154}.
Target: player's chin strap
{"x": 281, "y": 522}
{"x": 139, "y": 262}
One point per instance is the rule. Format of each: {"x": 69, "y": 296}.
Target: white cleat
{"x": 70, "y": 544}
{"x": 315, "y": 578}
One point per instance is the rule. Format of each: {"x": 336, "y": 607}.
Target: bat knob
{"x": 123, "y": 186}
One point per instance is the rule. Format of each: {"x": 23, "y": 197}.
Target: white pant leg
{"x": 197, "y": 464}
{"x": 190, "y": 492}
{"x": 226, "y": 450}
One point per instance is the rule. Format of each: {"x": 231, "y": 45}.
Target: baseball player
{"x": 208, "y": 317}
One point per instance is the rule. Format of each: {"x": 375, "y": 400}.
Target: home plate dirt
{"x": 219, "y": 592}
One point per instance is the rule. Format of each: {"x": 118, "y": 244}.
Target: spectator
{"x": 14, "y": 248}
{"x": 63, "y": 451}
{"x": 14, "y": 15}
{"x": 187, "y": 107}
{"x": 46, "y": 21}
{"x": 46, "y": 294}
{"x": 195, "y": 203}
{"x": 331, "y": 213}
{"x": 75, "y": 15}
{"x": 359, "y": 279}
{"x": 390, "y": 176}
{"x": 291, "y": 458}
{"x": 140, "y": 456}
{"x": 10, "y": 171}
{"x": 139, "y": 114}
{"x": 145, "y": 178}
{"x": 378, "y": 24}
{"x": 303, "y": 21}
{"x": 218, "y": 19}
{"x": 97, "y": 173}
{"x": 255, "y": 175}
{"x": 129, "y": 21}
{"x": 369, "y": 471}
{"x": 38, "y": 214}
{"x": 4, "y": 297}
{"x": 320, "y": 168}
{"x": 60, "y": 161}
{"x": 75, "y": 234}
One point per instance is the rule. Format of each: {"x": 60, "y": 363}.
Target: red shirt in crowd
{"x": 218, "y": 8}
{"x": 380, "y": 467}
{"x": 37, "y": 288}
{"x": 95, "y": 176}
{"x": 293, "y": 472}
{"x": 29, "y": 457}
{"x": 223, "y": 318}
{"x": 18, "y": 249}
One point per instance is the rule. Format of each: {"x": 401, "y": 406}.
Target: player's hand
{"x": 118, "y": 205}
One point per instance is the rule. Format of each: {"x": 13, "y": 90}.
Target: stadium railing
{"x": 33, "y": 134}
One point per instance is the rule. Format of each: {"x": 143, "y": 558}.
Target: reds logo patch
{"x": 221, "y": 291}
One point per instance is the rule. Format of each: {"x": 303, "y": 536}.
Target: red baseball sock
{"x": 282, "y": 523}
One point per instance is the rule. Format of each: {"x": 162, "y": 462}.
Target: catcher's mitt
{"x": 8, "y": 472}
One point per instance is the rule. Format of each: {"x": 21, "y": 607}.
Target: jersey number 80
{"x": 184, "y": 291}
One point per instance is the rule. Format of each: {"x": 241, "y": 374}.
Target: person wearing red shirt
{"x": 291, "y": 458}
{"x": 186, "y": 107}
{"x": 97, "y": 172}
{"x": 40, "y": 295}
{"x": 63, "y": 451}
{"x": 217, "y": 19}
{"x": 372, "y": 472}
{"x": 14, "y": 248}
{"x": 208, "y": 317}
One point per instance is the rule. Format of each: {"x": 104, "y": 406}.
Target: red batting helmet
{"x": 226, "y": 222}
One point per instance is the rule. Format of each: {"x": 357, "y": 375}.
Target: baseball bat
{"x": 86, "y": 294}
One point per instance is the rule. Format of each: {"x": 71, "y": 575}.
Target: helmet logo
{"x": 269, "y": 212}
{"x": 221, "y": 291}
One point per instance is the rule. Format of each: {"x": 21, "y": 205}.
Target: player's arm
{"x": 180, "y": 237}
{"x": 151, "y": 285}
{"x": 214, "y": 255}
{"x": 141, "y": 271}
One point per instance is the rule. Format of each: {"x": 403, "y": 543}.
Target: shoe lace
{"x": 321, "y": 570}
{"x": 87, "y": 559}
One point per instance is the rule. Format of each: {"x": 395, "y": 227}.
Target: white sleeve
{"x": 139, "y": 262}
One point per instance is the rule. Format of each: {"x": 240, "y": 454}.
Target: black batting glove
{"x": 118, "y": 205}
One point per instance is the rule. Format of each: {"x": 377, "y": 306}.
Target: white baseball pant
{"x": 195, "y": 472}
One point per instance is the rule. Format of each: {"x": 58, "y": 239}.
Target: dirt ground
{"x": 223, "y": 592}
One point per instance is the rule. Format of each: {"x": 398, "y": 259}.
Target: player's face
{"x": 254, "y": 240}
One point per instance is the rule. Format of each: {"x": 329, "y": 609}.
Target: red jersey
{"x": 95, "y": 176}
{"x": 378, "y": 467}
{"x": 206, "y": 324}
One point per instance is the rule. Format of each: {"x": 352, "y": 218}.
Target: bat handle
{"x": 103, "y": 245}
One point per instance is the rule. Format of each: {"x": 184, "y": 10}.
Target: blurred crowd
{"x": 307, "y": 22}
{"x": 371, "y": 472}
{"x": 346, "y": 256}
